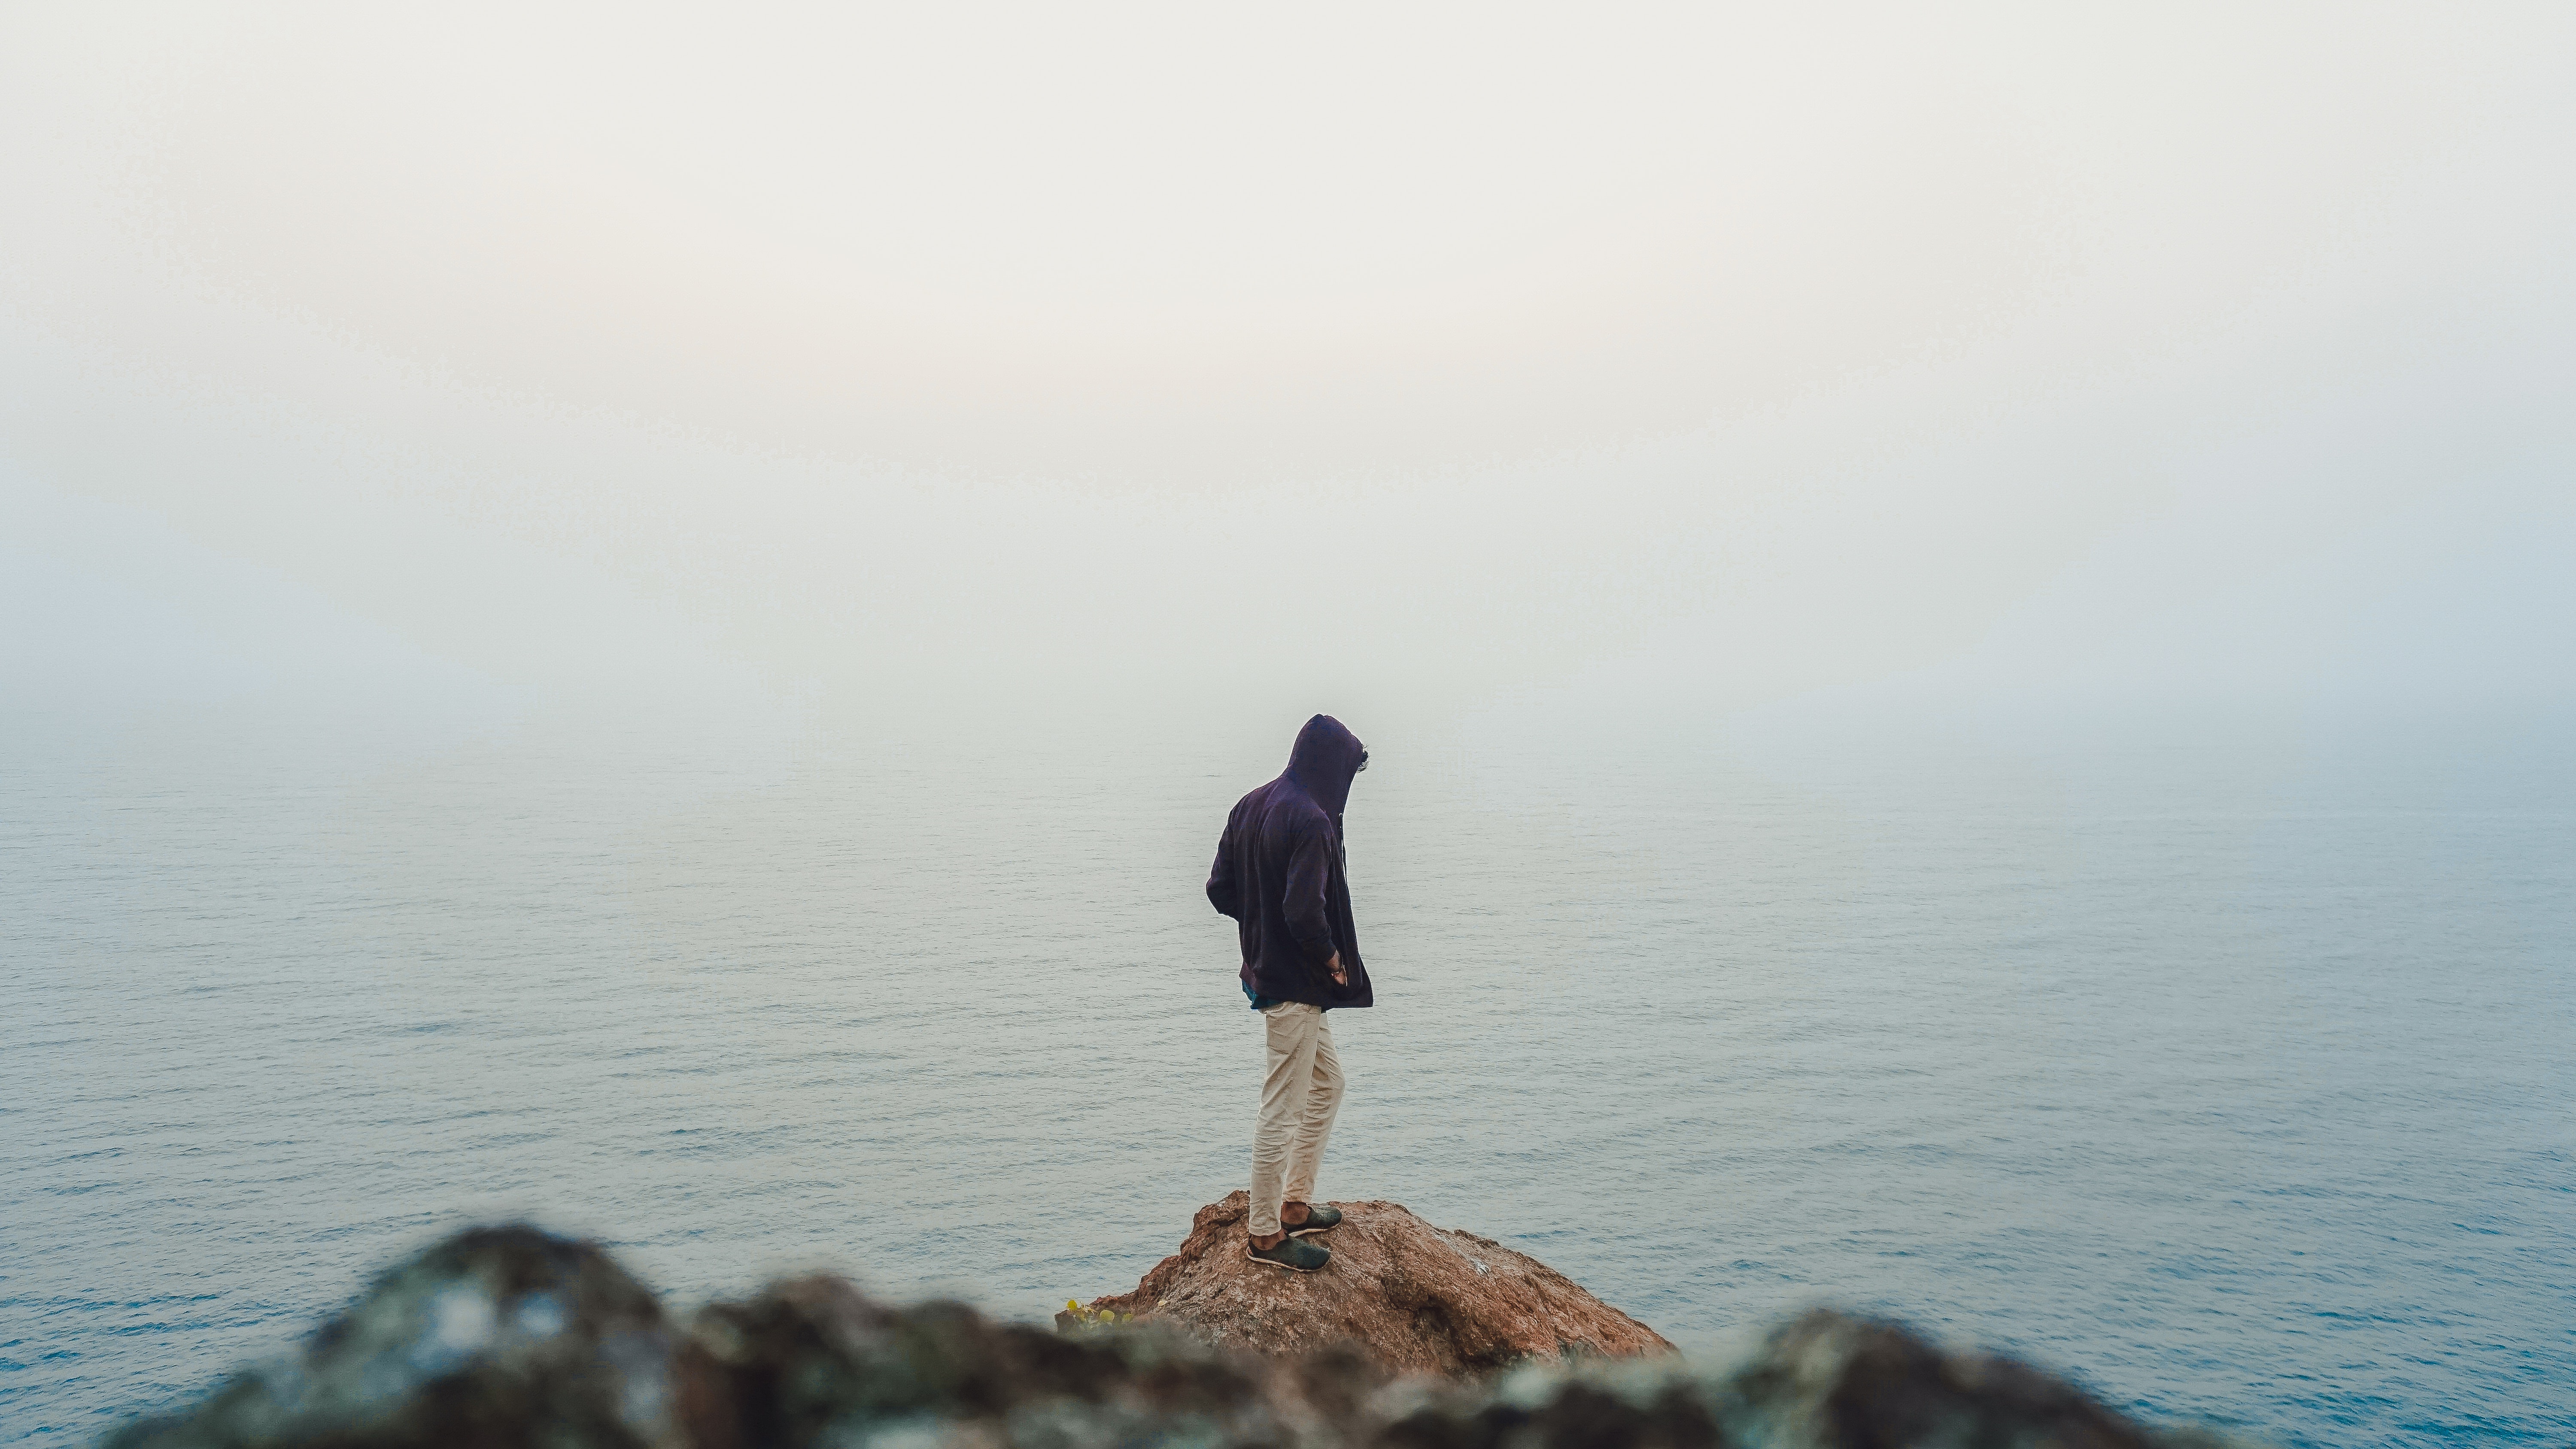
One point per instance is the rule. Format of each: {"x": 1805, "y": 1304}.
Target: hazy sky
{"x": 1745, "y": 352}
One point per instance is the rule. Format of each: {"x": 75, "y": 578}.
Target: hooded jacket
{"x": 1279, "y": 874}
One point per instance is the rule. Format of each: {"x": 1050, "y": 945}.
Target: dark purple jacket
{"x": 1279, "y": 873}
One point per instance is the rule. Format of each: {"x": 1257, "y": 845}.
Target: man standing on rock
{"x": 1279, "y": 873}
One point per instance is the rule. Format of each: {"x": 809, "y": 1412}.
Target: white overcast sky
{"x": 1733, "y": 352}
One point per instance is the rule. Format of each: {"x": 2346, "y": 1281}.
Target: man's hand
{"x": 1341, "y": 973}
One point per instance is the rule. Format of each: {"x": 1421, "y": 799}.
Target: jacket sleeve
{"x": 1310, "y": 873}
{"x": 1223, "y": 893}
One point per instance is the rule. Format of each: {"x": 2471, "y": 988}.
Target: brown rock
{"x": 1415, "y": 1298}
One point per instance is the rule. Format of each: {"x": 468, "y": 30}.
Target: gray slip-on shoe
{"x": 1294, "y": 1254}
{"x": 1318, "y": 1218}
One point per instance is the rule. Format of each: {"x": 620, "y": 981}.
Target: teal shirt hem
{"x": 1264, "y": 1003}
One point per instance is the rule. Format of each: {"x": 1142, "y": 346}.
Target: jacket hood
{"x": 1323, "y": 761}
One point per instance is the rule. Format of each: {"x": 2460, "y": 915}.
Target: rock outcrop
{"x": 1415, "y": 1298}
{"x": 515, "y": 1339}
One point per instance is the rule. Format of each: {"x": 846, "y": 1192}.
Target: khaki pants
{"x": 1299, "y": 1097}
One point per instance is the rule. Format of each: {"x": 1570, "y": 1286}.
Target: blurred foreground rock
{"x": 813, "y": 1361}
{"x": 1416, "y": 1298}
{"x": 510, "y": 1337}
{"x": 498, "y": 1336}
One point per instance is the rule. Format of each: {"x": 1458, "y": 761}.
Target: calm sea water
{"x": 2231, "y": 1073}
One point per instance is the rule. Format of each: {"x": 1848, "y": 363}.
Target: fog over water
{"x": 1697, "y": 350}
{"x": 647, "y": 616}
